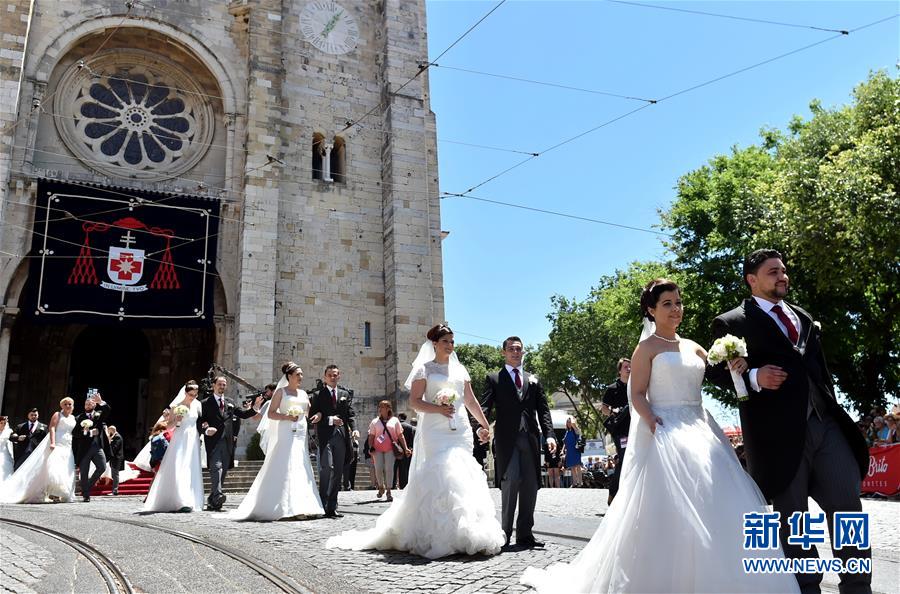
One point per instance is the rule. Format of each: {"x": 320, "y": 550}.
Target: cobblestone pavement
{"x": 24, "y": 563}
{"x": 564, "y": 518}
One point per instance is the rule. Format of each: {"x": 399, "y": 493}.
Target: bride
{"x": 446, "y": 507}
{"x": 285, "y": 486}
{"x": 49, "y": 472}
{"x": 178, "y": 486}
{"x": 676, "y": 524}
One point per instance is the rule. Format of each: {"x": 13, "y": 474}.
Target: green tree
{"x": 479, "y": 360}
{"x": 824, "y": 193}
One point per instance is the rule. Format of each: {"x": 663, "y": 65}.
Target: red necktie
{"x": 221, "y": 405}
{"x": 788, "y": 324}
{"x": 30, "y": 428}
{"x": 518, "y": 378}
{"x": 334, "y": 397}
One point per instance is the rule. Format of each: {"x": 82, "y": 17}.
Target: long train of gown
{"x": 179, "y": 481}
{"x": 446, "y": 507}
{"x": 676, "y": 524}
{"x": 47, "y": 472}
{"x": 285, "y": 485}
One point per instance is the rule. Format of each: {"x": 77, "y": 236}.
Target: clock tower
{"x": 282, "y": 120}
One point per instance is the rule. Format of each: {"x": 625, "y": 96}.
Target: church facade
{"x": 187, "y": 182}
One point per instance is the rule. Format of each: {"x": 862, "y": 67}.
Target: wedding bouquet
{"x": 294, "y": 412}
{"x": 725, "y": 349}
{"x": 86, "y": 425}
{"x": 180, "y": 411}
{"x": 446, "y": 397}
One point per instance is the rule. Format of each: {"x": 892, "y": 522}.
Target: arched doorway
{"x": 116, "y": 361}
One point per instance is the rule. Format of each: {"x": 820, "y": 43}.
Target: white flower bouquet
{"x": 294, "y": 412}
{"x": 725, "y": 349}
{"x": 180, "y": 411}
{"x": 447, "y": 397}
{"x": 86, "y": 425}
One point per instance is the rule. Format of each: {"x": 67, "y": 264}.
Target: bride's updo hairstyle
{"x": 438, "y": 332}
{"x": 191, "y": 386}
{"x": 288, "y": 368}
{"x": 652, "y": 291}
{"x": 63, "y": 402}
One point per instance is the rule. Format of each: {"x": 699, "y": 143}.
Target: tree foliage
{"x": 824, "y": 193}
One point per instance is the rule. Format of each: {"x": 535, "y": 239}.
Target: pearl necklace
{"x": 672, "y": 340}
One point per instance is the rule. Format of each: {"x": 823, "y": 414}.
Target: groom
{"x": 798, "y": 440}
{"x": 331, "y": 409}
{"x": 91, "y": 445}
{"x": 520, "y": 402}
{"x": 219, "y": 423}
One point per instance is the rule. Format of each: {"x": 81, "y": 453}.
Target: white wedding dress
{"x": 285, "y": 486}
{"x": 446, "y": 507}
{"x": 179, "y": 481}
{"x": 6, "y": 455}
{"x": 676, "y": 524}
{"x": 47, "y": 472}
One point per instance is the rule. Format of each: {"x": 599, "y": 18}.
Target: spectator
{"x": 890, "y": 422}
{"x": 386, "y": 439}
{"x": 116, "y": 458}
{"x": 350, "y": 467}
{"x": 553, "y": 461}
{"x": 878, "y": 432}
{"x": 570, "y": 450}
{"x": 402, "y": 466}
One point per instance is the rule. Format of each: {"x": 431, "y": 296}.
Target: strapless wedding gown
{"x": 285, "y": 486}
{"x": 676, "y": 524}
{"x": 179, "y": 481}
{"x": 47, "y": 472}
{"x": 446, "y": 507}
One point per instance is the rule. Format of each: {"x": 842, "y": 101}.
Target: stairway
{"x": 238, "y": 480}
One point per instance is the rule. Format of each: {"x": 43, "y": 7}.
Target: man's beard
{"x": 778, "y": 292}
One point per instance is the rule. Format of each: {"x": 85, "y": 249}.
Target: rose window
{"x": 145, "y": 122}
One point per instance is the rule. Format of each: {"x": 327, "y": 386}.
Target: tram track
{"x": 115, "y": 580}
{"x": 118, "y": 583}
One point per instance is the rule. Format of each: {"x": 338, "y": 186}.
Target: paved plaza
{"x": 154, "y": 561}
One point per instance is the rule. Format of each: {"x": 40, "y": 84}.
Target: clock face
{"x": 328, "y": 26}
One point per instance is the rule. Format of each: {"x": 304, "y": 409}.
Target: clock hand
{"x": 331, "y": 24}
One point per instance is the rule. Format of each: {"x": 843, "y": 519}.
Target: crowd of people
{"x": 682, "y": 492}
{"x": 879, "y": 427}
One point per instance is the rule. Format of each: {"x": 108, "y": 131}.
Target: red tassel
{"x": 165, "y": 277}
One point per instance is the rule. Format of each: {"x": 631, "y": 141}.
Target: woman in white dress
{"x": 178, "y": 486}
{"x": 676, "y": 524}
{"x": 285, "y": 486}
{"x": 446, "y": 507}
{"x": 6, "y": 452}
{"x": 49, "y": 472}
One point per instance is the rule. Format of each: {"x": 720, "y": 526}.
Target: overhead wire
{"x": 553, "y": 212}
{"x": 673, "y": 95}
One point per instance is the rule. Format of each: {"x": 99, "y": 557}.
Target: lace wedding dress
{"x": 676, "y": 524}
{"x": 47, "y": 472}
{"x": 179, "y": 481}
{"x": 285, "y": 486}
{"x": 446, "y": 507}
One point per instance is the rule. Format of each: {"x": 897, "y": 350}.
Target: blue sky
{"x": 501, "y": 264}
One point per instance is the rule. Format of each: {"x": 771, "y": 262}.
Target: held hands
{"x": 770, "y": 377}
{"x": 483, "y": 435}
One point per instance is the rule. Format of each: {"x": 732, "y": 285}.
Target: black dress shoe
{"x": 529, "y": 543}
{"x": 333, "y": 514}
{"x": 87, "y": 499}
